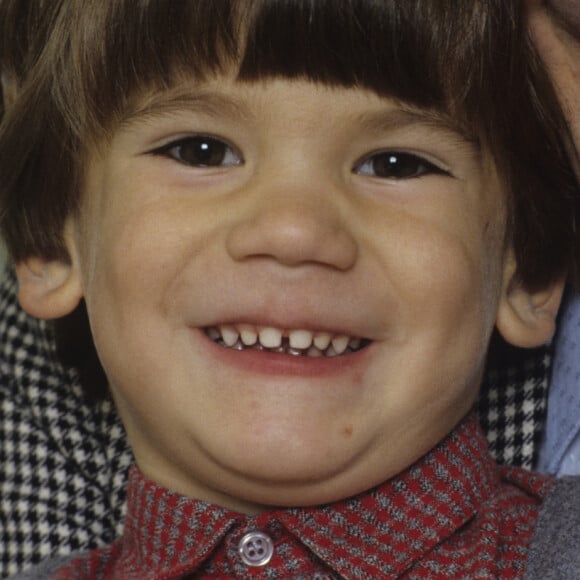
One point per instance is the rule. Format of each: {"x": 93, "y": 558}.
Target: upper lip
{"x": 323, "y": 308}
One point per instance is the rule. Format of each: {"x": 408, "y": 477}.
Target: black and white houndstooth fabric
{"x": 512, "y": 405}
{"x": 64, "y": 462}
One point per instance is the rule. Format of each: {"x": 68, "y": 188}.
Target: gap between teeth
{"x": 293, "y": 342}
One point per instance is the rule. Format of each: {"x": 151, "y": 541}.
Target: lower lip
{"x": 271, "y": 363}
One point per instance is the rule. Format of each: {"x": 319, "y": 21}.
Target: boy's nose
{"x": 293, "y": 228}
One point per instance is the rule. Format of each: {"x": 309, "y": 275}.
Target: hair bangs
{"x": 117, "y": 50}
{"x": 355, "y": 43}
{"x": 444, "y": 55}
{"x": 417, "y": 51}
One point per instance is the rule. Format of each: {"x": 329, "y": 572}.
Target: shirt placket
{"x": 258, "y": 550}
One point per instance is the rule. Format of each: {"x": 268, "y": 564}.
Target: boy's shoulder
{"x": 554, "y": 552}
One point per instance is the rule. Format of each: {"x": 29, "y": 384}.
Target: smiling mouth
{"x": 291, "y": 342}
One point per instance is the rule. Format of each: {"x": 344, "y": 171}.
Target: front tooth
{"x": 354, "y": 343}
{"x": 301, "y": 339}
{"x": 340, "y": 343}
{"x": 322, "y": 340}
{"x": 270, "y": 337}
{"x": 229, "y": 335}
{"x": 248, "y": 334}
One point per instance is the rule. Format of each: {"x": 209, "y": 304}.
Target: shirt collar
{"x": 382, "y": 531}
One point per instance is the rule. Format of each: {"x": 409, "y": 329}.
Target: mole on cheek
{"x": 347, "y": 431}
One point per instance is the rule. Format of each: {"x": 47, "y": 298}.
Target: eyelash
{"x": 397, "y": 165}
{"x": 214, "y": 152}
{"x": 210, "y": 152}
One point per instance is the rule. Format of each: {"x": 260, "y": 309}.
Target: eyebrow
{"x": 208, "y": 102}
{"x": 406, "y": 117}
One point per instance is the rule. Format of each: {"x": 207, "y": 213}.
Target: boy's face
{"x": 312, "y": 213}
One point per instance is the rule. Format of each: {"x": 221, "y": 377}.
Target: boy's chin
{"x": 261, "y": 479}
{"x": 288, "y": 459}
{"x": 294, "y": 486}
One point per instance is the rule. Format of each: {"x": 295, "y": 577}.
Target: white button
{"x": 256, "y": 549}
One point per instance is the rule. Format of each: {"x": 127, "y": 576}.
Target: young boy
{"x": 295, "y": 228}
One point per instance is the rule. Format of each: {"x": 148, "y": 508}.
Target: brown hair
{"x": 471, "y": 61}
{"x": 24, "y": 29}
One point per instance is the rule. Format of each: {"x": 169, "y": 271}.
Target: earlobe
{"x": 48, "y": 289}
{"x": 527, "y": 318}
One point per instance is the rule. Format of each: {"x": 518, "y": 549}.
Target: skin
{"x": 293, "y": 227}
{"x": 555, "y": 28}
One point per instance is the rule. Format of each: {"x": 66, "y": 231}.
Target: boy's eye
{"x": 396, "y": 165}
{"x": 201, "y": 151}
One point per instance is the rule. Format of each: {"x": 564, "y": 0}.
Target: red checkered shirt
{"x": 453, "y": 514}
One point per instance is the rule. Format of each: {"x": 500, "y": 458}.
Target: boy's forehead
{"x": 225, "y": 96}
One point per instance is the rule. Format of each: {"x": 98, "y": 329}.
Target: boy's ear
{"x": 527, "y": 318}
{"x": 48, "y": 289}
